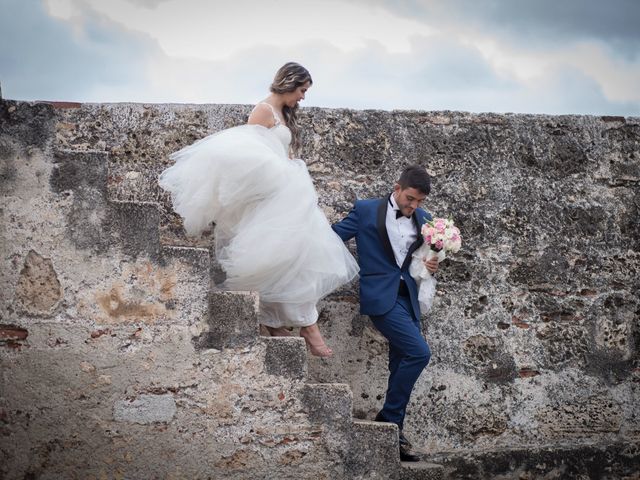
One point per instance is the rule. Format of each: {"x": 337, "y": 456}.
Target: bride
{"x": 270, "y": 234}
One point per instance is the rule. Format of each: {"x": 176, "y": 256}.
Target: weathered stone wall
{"x": 120, "y": 358}
{"x": 535, "y": 333}
{"x": 107, "y": 325}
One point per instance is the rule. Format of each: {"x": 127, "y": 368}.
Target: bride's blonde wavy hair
{"x": 289, "y": 77}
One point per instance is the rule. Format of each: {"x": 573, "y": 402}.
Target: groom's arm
{"x": 348, "y": 226}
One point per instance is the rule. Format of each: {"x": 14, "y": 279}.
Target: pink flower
{"x": 428, "y": 232}
{"x": 441, "y": 233}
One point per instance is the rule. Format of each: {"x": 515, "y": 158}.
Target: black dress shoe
{"x": 403, "y": 440}
{"x": 405, "y": 450}
{"x": 380, "y": 418}
{"x": 406, "y": 456}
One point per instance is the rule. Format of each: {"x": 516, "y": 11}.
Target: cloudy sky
{"x": 542, "y": 56}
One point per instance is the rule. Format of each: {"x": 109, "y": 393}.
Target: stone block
{"x": 81, "y": 172}
{"x": 233, "y": 320}
{"x": 286, "y": 357}
{"x": 385, "y": 433}
{"x": 32, "y": 124}
{"x": 145, "y": 409}
{"x": 421, "y": 471}
{"x": 373, "y": 448}
{"x": 329, "y": 403}
{"x": 135, "y": 228}
{"x": 133, "y": 182}
{"x": 197, "y": 258}
{"x": 615, "y": 460}
{"x": 84, "y": 175}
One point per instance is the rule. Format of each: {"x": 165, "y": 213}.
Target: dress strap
{"x": 276, "y": 117}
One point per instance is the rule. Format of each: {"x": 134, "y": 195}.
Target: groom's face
{"x": 408, "y": 199}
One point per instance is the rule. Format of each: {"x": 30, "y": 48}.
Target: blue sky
{"x": 543, "y": 56}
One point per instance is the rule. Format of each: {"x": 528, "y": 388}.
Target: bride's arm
{"x": 261, "y": 115}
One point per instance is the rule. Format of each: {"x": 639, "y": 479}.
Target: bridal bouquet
{"x": 440, "y": 236}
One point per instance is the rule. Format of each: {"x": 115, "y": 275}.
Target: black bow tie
{"x": 399, "y": 214}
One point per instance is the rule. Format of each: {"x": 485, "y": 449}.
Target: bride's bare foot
{"x": 314, "y": 341}
{"x": 278, "y": 331}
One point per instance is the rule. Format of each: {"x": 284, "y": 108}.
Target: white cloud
{"x": 620, "y": 80}
{"x": 359, "y": 54}
{"x": 63, "y": 9}
{"x": 530, "y": 42}
{"x": 216, "y": 30}
{"x": 51, "y": 59}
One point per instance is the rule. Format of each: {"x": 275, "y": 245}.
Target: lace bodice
{"x": 279, "y": 129}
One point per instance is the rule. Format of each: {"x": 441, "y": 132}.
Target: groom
{"x": 387, "y": 232}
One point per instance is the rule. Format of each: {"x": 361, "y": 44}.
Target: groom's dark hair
{"x": 415, "y": 176}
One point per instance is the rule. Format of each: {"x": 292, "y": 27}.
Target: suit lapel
{"x": 381, "y": 222}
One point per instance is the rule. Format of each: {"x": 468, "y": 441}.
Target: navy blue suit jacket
{"x": 379, "y": 272}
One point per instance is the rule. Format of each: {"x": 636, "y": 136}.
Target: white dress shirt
{"x": 402, "y": 231}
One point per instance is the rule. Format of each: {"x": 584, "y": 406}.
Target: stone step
{"x": 95, "y": 221}
{"x": 377, "y": 434}
{"x": 85, "y": 172}
{"x": 135, "y": 228}
{"x": 421, "y": 471}
{"x": 198, "y": 258}
{"x": 233, "y": 321}
{"x": 378, "y": 441}
{"x": 328, "y": 403}
{"x": 286, "y": 357}
{"x": 619, "y": 460}
{"x": 373, "y": 448}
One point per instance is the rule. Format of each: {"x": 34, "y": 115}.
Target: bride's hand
{"x": 431, "y": 265}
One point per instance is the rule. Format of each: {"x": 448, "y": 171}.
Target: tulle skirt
{"x": 270, "y": 235}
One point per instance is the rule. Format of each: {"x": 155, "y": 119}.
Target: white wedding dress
{"x": 270, "y": 235}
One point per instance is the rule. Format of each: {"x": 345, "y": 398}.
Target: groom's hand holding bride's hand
{"x": 431, "y": 265}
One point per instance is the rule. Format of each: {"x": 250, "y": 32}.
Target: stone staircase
{"x": 361, "y": 449}
{"x": 366, "y": 449}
